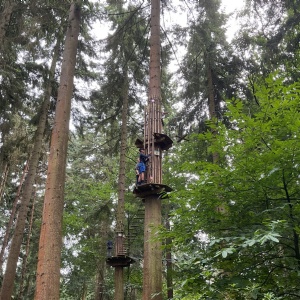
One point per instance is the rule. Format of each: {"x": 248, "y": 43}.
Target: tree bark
{"x": 25, "y": 259}
{"x": 3, "y": 180}
{"x": 119, "y": 283}
{"x": 152, "y": 269}
{"x": 152, "y": 275}
{"x": 296, "y": 247}
{"x": 101, "y": 265}
{"x": 12, "y": 217}
{"x": 84, "y": 291}
{"x": 153, "y": 119}
{"x": 9, "y": 276}
{"x": 169, "y": 262}
{"x": 211, "y": 105}
{"x": 49, "y": 256}
{"x": 100, "y": 280}
{"x": 119, "y": 271}
{"x": 5, "y": 16}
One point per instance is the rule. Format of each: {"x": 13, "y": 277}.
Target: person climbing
{"x": 142, "y": 165}
{"x": 140, "y": 170}
{"x": 137, "y": 172}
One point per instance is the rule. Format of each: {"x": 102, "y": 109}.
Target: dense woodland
{"x": 232, "y": 108}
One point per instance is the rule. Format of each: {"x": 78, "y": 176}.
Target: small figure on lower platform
{"x": 141, "y": 168}
{"x": 109, "y": 248}
{"x": 143, "y": 159}
{"x": 137, "y": 173}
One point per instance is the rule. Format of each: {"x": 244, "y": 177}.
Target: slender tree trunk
{"x": 211, "y": 105}
{"x": 49, "y": 256}
{"x": 10, "y": 272}
{"x": 210, "y": 92}
{"x": 5, "y": 16}
{"x": 169, "y": 263}
{"x": 30, "y": 281}
{"x": 213, "y": 116}
{"x": 292, "y": 221}
{"x": 119, "y": 271}
{"x": 101, "y": 273}
{"x": 12, "y": 216}
{"x": 25, "y": 259}
{"x": 100, "y": 280}
{"x": 84, "y": 291}
{"x": 3, "y": 181}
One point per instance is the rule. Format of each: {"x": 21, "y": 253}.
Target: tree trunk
{"x": 84, "y": 291}
{"x": 152, "y": 269}
{"x": 5, "y": 16}
{"x": 9, "y": 276}
{"x": 101, "y": 265}
{"x": 213, "y": 116}
{"x": 169, "y": 263}
{"x": 211, "y": 105}
{"x": 49, "y": 256}
{"x": 12, "y": 217}
{"x": 119, "y": 271}
{"x": 153, "y": 119}
{"x": 152, "y": 277}
{"x": 3, "y": 181}
{"x": 100, "y": 280}
{"x": 296, "y": 247}
{"x": 210, "y": 93}
{"x": 25, "y": 259}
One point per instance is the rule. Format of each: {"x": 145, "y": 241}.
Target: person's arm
{"x": 144, "y": 156}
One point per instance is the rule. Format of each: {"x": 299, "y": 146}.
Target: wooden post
{"x": 152, "y": 191}
{"x": 119, "y": 282}
{"x": 153, "y": 116}
{"x": 152, "y": 271}
{"x": 152, "y": 283}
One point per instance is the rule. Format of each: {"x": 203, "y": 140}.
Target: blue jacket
{"x": 144, "y": 158}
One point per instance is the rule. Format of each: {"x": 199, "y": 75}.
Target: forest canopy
{"x": 74, "y": 84}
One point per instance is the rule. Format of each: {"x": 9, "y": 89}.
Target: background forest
{"x": 232, "y": 108}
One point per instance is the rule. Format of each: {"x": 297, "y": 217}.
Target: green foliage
{"x": 87, "y": 219}
{"x": 235, "y": 224}
{"x": 242, "y": 214}
{"x": 210, "y": 67}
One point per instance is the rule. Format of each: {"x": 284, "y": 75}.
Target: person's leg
{"x": 139, "y": 174}
{"x": 139, "y": 179}
{"x": 143, "y": 168}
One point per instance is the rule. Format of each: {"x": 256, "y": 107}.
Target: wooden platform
{"x": 148, "y": 189}
{"x": 163, "y": 141}
{"x": 120, "y": 261}
{"x": 160, "y": 139}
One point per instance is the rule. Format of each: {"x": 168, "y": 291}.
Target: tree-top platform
{"x": 160, "y": 139}
{"x": 120, "y": 261}
{"x": 148, "y": 189}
